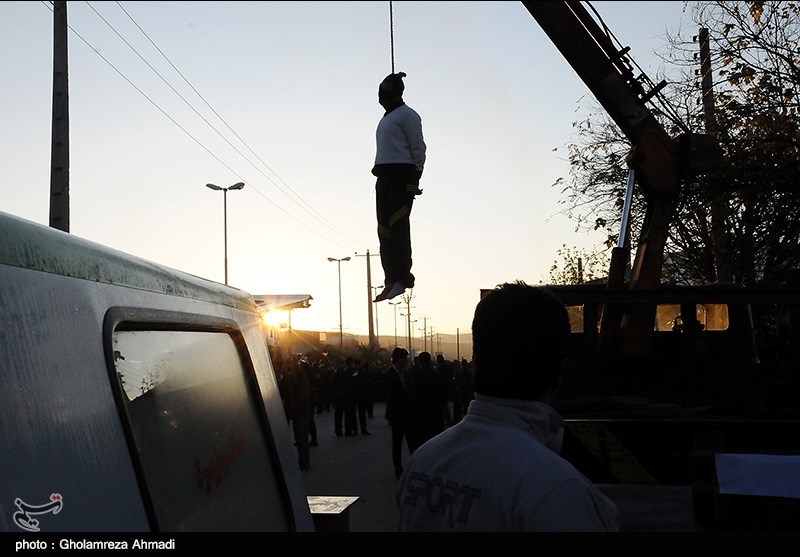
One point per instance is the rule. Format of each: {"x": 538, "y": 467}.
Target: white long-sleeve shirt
{"x": 498, "y": 470}
{"x": 399, "y": 138}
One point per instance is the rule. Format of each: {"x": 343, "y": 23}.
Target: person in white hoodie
{"x": 399, "y": 162}
{"x": 499, "y": 468}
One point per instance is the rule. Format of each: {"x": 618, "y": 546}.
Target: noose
{"x": 391, "y": 33}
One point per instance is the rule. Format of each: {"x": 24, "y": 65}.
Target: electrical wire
{"x": 305, "y": 206}
{"x": 666, "y": 108}
{"x": 49, "y": 4}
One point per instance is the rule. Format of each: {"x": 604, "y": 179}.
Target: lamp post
{"x": 339, "y": 266}
{"x": 395, "y": 304}
{"x": 236, "y": 186}
{"x": 411, "y": 335}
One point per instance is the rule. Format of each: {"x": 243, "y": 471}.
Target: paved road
{"x": 357, "y": 466}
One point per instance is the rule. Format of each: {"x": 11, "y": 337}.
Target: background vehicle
{"x": 681, "y": 401}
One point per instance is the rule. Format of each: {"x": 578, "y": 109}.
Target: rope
{"x": 391, "y": 33}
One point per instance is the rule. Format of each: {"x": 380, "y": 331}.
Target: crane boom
{"x": 660, "y": 162}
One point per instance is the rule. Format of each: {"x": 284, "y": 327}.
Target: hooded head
{"x": 391, "y": 88}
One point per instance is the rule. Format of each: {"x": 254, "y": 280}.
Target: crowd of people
{"x": 438, "y": 393}
{"x": 483, "y": 437}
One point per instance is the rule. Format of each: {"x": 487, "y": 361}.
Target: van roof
{"x": 34, "y": 246}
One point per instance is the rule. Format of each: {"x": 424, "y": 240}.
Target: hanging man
{"x": 399, "y": 161}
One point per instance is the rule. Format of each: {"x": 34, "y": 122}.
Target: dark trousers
{"x": 300, "y": 430}
{"x": 312, "y": 429}
{"x": 401, "y": 430}
{"x": 361, "y": 406}
{"x": 350, "y": 421}
{"x": 338, "y": 416}
{"x": 393, "y": 202}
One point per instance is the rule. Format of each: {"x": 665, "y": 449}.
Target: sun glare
{"x": 273, "y": 318}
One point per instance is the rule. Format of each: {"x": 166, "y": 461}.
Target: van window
{"x": 194, "y": 413}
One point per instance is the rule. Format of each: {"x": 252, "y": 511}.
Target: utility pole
{"x": 59, "y": 142}
{"x": 339, "y": 268}
{"x": 425, "y": 335}
{"x": 719, "y": 207}
{"x": 369, "y": 297}
{"x": 376, "y": 290}
{"x": 407, "y": 299}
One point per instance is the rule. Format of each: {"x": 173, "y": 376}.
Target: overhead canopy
{"x": 282, "y": 302}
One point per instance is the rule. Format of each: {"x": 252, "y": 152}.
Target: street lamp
{"x": 237, "y": 186}
{"x": 411, "y": 335}
{"x": 395, "y": 304}
{"x": 339, "y": 265}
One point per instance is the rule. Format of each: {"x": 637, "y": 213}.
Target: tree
{"x": 578, "y": 266}
{"x": 756, "y": 83}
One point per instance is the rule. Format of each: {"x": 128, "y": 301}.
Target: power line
{"x": 307, "y": 207}
{"x": 174, "y": 121}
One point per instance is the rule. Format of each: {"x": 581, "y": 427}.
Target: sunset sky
{"x": 166, "y": 97}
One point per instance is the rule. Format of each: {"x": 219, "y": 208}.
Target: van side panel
{"x": 60, "y": 432}
{"x": 66, "y": 461}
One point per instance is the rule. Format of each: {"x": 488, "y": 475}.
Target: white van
{"x": 134, "y": 397}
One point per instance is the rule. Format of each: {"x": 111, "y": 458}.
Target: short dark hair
{"x": 399, "y": 354}
{"x": 425, "y": 358}
{"x": 519, "y": 341}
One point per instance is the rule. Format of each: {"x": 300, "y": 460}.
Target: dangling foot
{"x": 382, "y": 296}
{"x": 397, "y": 289}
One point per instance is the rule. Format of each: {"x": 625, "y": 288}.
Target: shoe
{"x": 349, "y": 434}
{"x": 382, "y": 296}
{"x": 338, "y": 434}
{"x": 397, "y": 289}
{"x": 365, "y": 433}
{"x": 313, "y": 444}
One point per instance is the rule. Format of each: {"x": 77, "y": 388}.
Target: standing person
{"x": 399, "y": 409}
{"x": 299, "y": 410}
{"x": 339, "y": 396}
{"x": 312, "y": 377}
{"x": 399, "y": 162}
{"x": 350, "y": 394}
{"x": 447, "y": 372}
{"x": 429, "y": 394}
{"x": 498, "y": 469}
{"x": 326, "y": 375}
{"x": 363, "y": 397}
{"x": 463, "y": 390}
